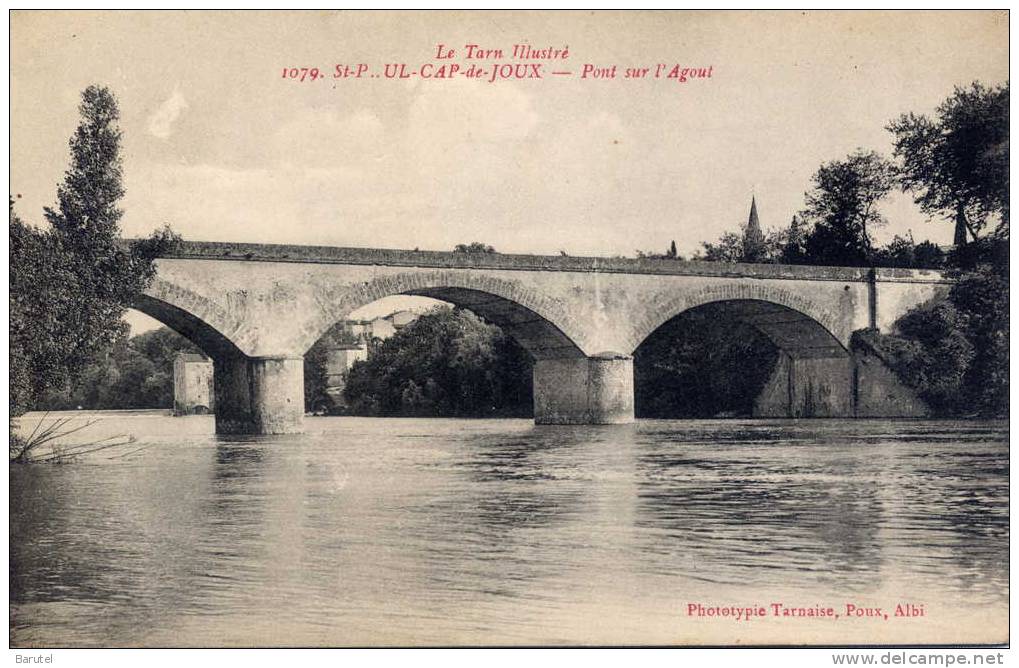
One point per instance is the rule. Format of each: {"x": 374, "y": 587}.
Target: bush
{"x": 931, "y": 354}
{"x": 954, "y": 349}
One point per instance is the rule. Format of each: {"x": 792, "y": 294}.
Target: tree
{"x": 473, "y": 247}
{"x": 316, "y": 379}
{"x": 755, "y": 248}
{"x": 956, "y": 164}
{"x": 162, "y": 346}
{"x": 980, "y": 294}
{"x": 794, "y": 246}
{"x": 899, "y": 252}
{"x": 927, "y": 255}
{"x": 930, "y": 353}
{"x": 954, "y": 349}
{"x": 732, "y": 247}
{"x": 37, "y": 272}
{"x": 316, "y": 367}
{"x": 842, "y": 207}
{"x": 904, "y": 252}
{"x": 448, "y": 362}
{"x": 135, "y": 372}
{"x": 671, "y": 253}
{"x": 728, "y": 248}
{"x": 751, "y": 245}
{"x": 71, "y": 283}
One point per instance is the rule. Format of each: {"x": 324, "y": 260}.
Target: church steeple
{"x": 753, "y": 237}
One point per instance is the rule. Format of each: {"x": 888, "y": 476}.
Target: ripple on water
{"x": 487, "y": 531}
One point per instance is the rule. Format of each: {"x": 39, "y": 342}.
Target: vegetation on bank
{"x": 136, "y": 372}
{"x": 46, "y": 443}
{"x": 953, "y": 350}
{"x": 71, "y": 281}
{"x": 446, "y": 363}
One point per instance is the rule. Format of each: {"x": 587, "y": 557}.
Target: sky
{"x": 218, "y": 144}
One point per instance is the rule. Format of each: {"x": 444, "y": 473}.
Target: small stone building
{"x": 192, "y": 385}
{"x": 338, "y": 362}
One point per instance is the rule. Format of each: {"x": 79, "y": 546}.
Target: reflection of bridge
{"x": 255, "y": 309}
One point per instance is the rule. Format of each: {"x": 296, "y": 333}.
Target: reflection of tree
{"x": 742, "y": 518}
{"x": 962, "y": 494}
{"x": 130, "y": 551}
{"x": 516, "y": 485}
{"x": 840, "y": 505}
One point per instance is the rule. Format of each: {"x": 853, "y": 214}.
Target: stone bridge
{"x": 256, "y": 309}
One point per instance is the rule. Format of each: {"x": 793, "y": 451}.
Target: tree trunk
{"x": 961, "y": 225}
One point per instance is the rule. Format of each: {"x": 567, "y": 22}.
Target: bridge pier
{"x": 259, "y": 395}
{"x": 584, "y": 390}
{"x": 807, "y": 387}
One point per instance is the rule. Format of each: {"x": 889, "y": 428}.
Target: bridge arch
{"x": 806, "y": 371}
{"x": 793, "y": 322}
{"x": 541, "y": 324}
{"x": 194, "y": 317}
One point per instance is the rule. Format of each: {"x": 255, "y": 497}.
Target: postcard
{"x": 508, "y": 328}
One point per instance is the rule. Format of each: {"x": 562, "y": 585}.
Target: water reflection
{"x": 503, "y": 495}
{"x": 440, "y": 531}
{"x": 743, "y": 518}
{"x": 844, "y": 515}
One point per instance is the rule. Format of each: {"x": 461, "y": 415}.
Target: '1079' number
{"x": 302, "y": 73}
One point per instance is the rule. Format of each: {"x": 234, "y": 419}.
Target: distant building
{"x": 401, "y": 319}
{"x": 339, "y": 359}
{"x": 341, "y": 356}
{"x": 192, "y": 384}
{"x": 382, "y": 327}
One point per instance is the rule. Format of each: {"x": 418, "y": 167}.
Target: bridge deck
{"x": 229, "y": 251}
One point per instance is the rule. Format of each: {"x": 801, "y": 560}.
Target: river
{"x": 499, "y": 532}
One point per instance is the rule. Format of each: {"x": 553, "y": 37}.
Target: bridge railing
{"x": 255, "y": 252}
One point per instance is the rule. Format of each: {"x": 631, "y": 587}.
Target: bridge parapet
{"x": 229, "y": 251}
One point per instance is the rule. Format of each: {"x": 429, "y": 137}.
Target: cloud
{"x": 273, "y": 205}
{"x": 161, "y": 122}
{"x": 323, "y": 138}
{"x": 465, "y": 143}
{"x": 470, "y": 112}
